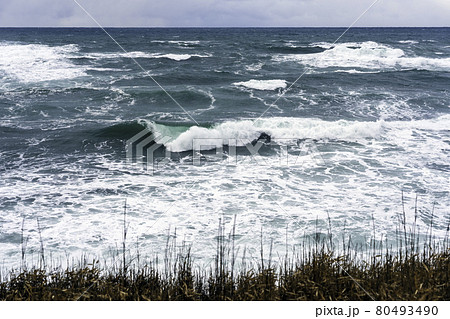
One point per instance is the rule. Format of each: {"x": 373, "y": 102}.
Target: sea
{"x": 271, "y": 137}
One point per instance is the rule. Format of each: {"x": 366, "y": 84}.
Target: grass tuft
{"x": 315, "y": 273}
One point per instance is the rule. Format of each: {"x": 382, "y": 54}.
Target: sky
{"x": 223, "y": 13}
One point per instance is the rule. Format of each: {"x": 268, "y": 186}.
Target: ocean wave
{"x": 37, "y": 62}
{"x": 242, "y": 132}
{"x": 441, "y": 123}
{"x": 265, "y": 85}
{"x": 246, "y": 131}
{"x": 408, "y": 41}
{"x": 184, "y": 43}
{"x": 123, "y": 130}
{"x": 180, "y": 136}
{"x": 254, "y": 67}
{"x": 297, "y": 49}
{"x": 366, "y": 55}
{"x": 144, "y": 55}
{"x": 178, "y": 57}
{"x": 354, "y": 71}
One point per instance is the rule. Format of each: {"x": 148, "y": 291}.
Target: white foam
{"x": 441, "y": 123}
{"x": 254, "y": 67}
{"x": 145, "y": 55}
{"x": 325, "y": 45}
{"x": 245, "y": 131}
{"x": 408, "y": 42}
{"x": 265, "y": 85}
{"x": 353, "y": 71}
{"x": 179, "y": 42}
{"x": 38, "y": 62}
{"x": 80, "y": 207}
{"x": 175, "y": 57}
{"x": 366, "y": 55}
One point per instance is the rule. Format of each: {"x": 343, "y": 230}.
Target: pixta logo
{"x": 141, "y": 147}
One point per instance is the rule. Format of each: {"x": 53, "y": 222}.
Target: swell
{"x": 124, "y": 130}
{"x": 180, "y": 137}
{"x": 296, "y": 50}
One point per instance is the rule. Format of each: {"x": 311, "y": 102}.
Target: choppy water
{"x": 370, "y": 118}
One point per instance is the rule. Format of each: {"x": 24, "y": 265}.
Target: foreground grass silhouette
{"x": 317, "y": 275}
{"x": 322, "y": 277}
{"x": 418, "y": 269}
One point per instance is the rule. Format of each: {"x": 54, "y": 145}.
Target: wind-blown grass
{"x": 413, "y": 271}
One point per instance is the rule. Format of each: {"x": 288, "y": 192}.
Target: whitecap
{"x": 175, "y": 57}
{"x": 408, "y": 42}
{"x": 179, "y": 42}
{"x": 245, "y": 131}
{"x": 365, "y": 55}
{"x": 254, "y": 67}
{"x": 37, "y": 62}
{"x": 143, "y": 55}
{"x": 265, "y": 85}
{"x": 353, "y": 71}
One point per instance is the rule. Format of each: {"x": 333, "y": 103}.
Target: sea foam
{"x": 143, "y": 55}
{"x": 365, "y": 55}
{"x": 264, "y": 85}
{"x": 36, "y": 62}
{"x": 245, "y": 131}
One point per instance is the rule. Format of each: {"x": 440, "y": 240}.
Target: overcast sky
{"x": 230, "y": 13}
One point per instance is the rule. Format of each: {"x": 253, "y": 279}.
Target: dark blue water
{"x": 371, "y": 113}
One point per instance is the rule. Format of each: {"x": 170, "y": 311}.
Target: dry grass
{"x": 317, "y": 273}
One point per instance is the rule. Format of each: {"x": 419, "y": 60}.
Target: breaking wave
{"x": 37, "y": 62}
{"x": 263, "y": 85}
{"x": 366, "y": 55}
{"x": 144, "y": 55}
{"x": 242, "y": 132}
{"x": 245, "y": 131}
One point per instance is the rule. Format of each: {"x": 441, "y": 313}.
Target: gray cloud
{"x": 224, "y": 13}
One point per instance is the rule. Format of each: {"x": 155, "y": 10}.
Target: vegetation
{"x": 316, "y": 273}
